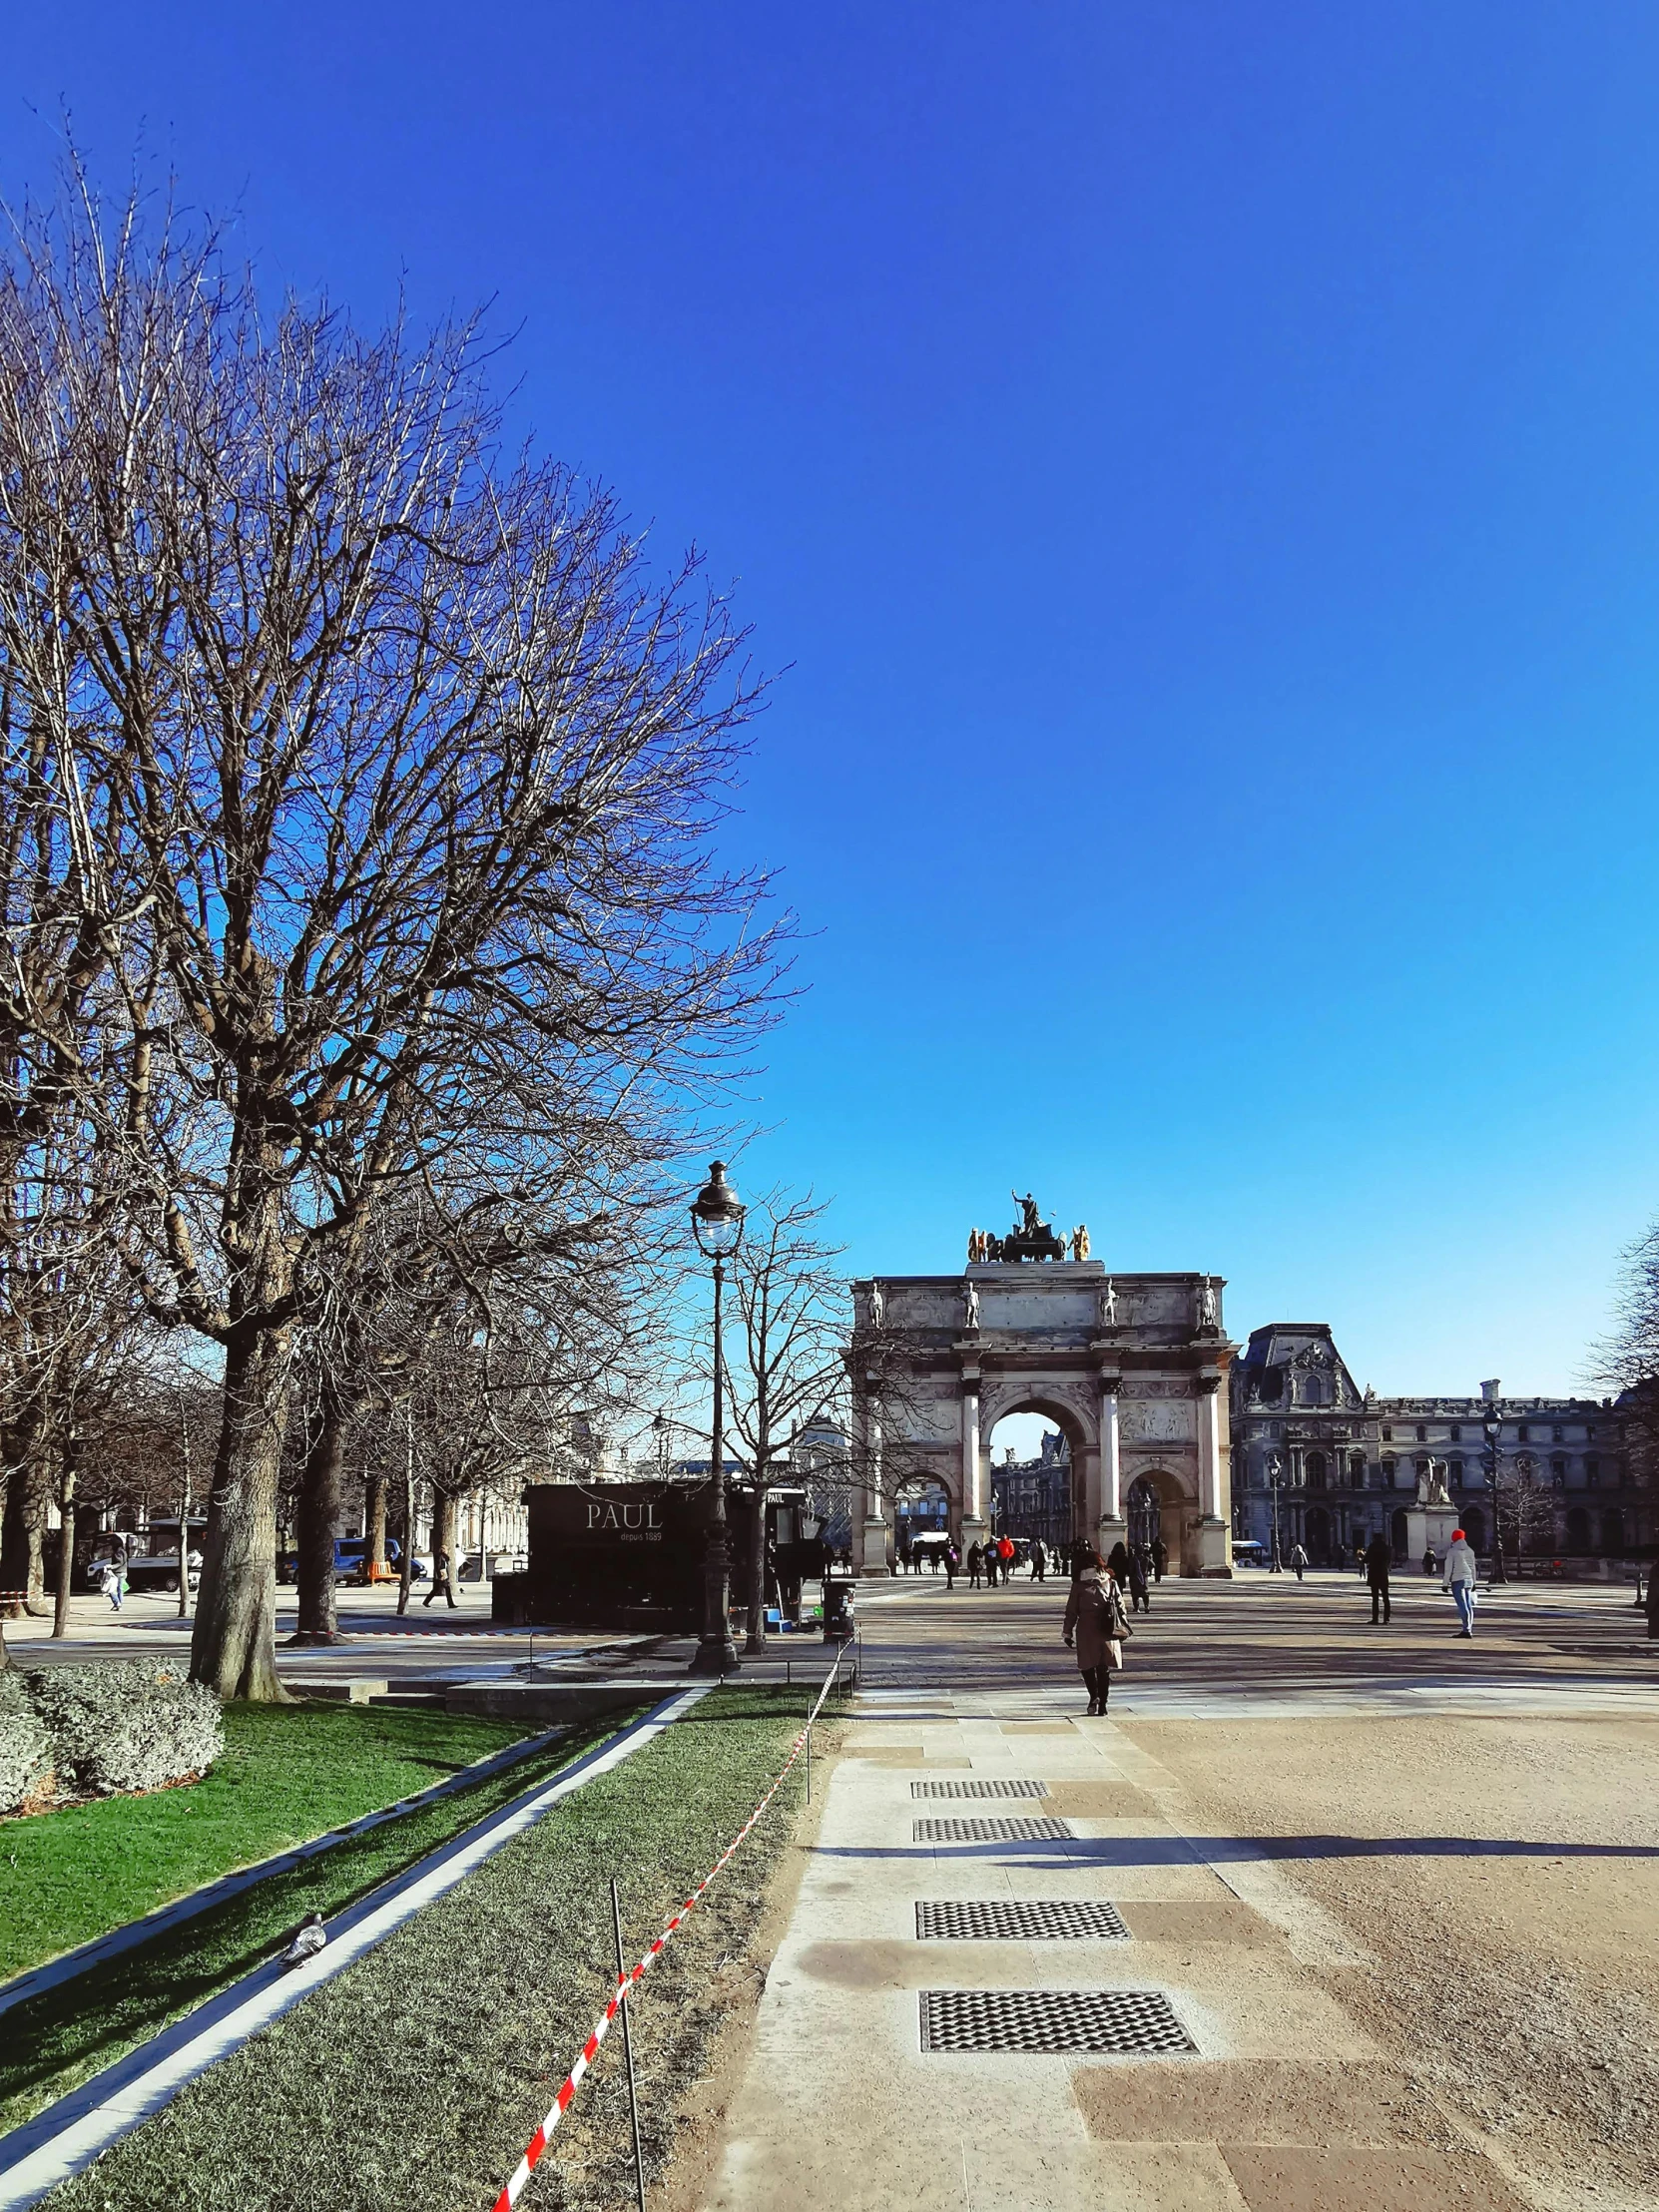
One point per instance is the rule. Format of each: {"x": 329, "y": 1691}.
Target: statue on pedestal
{"x": 878, "y": 1307}
{"x": 1208, "y": 1308}
{"x": 1031, "y": 1224}
{"x": 1109, "y": 1305}
{"x": 1433, "y": 1495}
{"x": 970, "y": 1297}
{"x": 1080, "y": 1242}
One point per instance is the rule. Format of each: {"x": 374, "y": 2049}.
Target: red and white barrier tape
{"x": 626, "y": 1983}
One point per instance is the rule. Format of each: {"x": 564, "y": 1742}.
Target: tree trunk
{"x": 406, "y": 1563}
{"x": 37, "y": 1505}
{"x": 320, "y": 1504}
{"x": 66, "y": 1552}
{"x": 756, "y": 1637}
{"x": 234, "y": 1643}
{"x": 14, "y": 1548}
{"x": 375, "y": 1514}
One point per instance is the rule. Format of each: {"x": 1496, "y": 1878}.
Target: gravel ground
{"x": 1502, "y": 1878}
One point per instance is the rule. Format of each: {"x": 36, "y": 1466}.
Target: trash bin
{"x": 837, "y": 1610}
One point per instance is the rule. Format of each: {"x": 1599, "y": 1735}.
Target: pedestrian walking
{"x": 1379, "y": 1558}
{"x": 1140, "y": 1600}
{"x": 1458, "y": 1576}
{"x": 1117, "y": 1563}
{"x": 1096, "y": 1626}
{"x": 1299, "y": 1560}
{"x": 113, "y": 1583}
{"x": 1039, "y": 1562}
{"x": 1362, "y": 1557}
{"x": 951, "y": 1563}
{"x": 440, "y": 1580}
{"x": 1160, "y": 1560}
{"x": 975, "y": 1559}
{"x": 1006, "y": 1554}
{"x": 1430, "y": 1565}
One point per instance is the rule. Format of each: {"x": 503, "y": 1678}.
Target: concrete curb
{"x": 64, "y": 2141}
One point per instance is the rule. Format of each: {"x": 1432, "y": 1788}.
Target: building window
{"x": 1313, "y": 1470}
{"x": 1357, "y": 1470}
{"x": 1524, "y": 1435}
{"x": 1388, "y": 1473}
{"x": 1559, "y": 1474}
{"x": 1454, "y": 1473}
{"x": 1557, "y": 1435}
{"x": 1422, "y": 1434}
{"x": 1388, "y": 1436}
{"x": 1589, "y": 1434}
{"x": 1592, "y": 1473}
{"x": 1456, "y": 1433}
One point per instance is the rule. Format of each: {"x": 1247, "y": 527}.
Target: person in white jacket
{"x": 1458, "y": 1576}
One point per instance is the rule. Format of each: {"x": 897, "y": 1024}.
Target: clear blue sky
{"x": 1198, "y": 467}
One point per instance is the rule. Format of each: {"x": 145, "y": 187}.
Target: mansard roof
{"x": 1295, "y": 1346}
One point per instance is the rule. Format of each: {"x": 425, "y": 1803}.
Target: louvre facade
{"x": 1342, "y": 1463}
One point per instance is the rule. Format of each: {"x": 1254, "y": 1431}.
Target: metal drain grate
{"x": 1011, "y": 1831}
{"x": 978, "y": 1789}
{"x": 1138, "y": 2022}
{"x": 1020, "y": 1921}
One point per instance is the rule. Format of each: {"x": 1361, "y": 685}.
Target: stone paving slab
{"x": 1345, "y": 2179}
{"x": 1304, "y": 2102}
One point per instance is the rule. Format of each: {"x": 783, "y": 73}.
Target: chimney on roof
{"x": 1491, "y": 1391}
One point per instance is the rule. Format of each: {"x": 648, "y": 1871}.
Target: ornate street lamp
{"x": 1276, "y": 1478}
{"x": 716, "y": 1224}
{"x": 1494, "y": 1430}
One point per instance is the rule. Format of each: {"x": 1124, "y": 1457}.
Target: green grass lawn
{"x": 419, "y": 2074}
{"x": 289, "y": 1773}
{"x": 52, "y": 2043}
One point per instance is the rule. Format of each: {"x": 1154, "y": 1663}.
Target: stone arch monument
{"x": 1130, "y": 1366}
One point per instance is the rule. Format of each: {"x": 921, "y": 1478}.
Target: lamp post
{"x": 1493, "y": 1430}
{"x": 716, "y": 1224}
{"x": 1276, "y": 1477}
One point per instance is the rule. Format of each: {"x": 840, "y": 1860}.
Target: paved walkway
{"x": 1278, "y": 2101}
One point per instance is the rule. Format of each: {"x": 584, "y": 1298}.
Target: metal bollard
{"x": 628, "y": 2050}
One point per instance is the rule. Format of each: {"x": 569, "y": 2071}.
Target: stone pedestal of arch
{"x": 1134, "y": 1380}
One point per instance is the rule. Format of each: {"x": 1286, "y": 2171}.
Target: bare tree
{"x": 72, "y": 1338}
{"x": 409, "y": 758}
{"x": 1527, "y": 1506}
{"x": 1625, "y": 1367}
{"x": 788, "y": 1367}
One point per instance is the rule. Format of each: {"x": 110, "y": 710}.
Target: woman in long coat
{"x": 1094, "y": 1618}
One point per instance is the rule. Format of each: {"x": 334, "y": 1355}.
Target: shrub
{"x": 25, "y": 1747}
{"x": 129, "y": 1726}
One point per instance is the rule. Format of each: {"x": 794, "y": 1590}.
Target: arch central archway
{"x": 1031, "y": 1483}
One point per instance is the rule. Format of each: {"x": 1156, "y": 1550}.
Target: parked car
{"x": 351, "y": 1561}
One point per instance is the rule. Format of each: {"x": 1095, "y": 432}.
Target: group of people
{"x": 990, "y": 1564}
